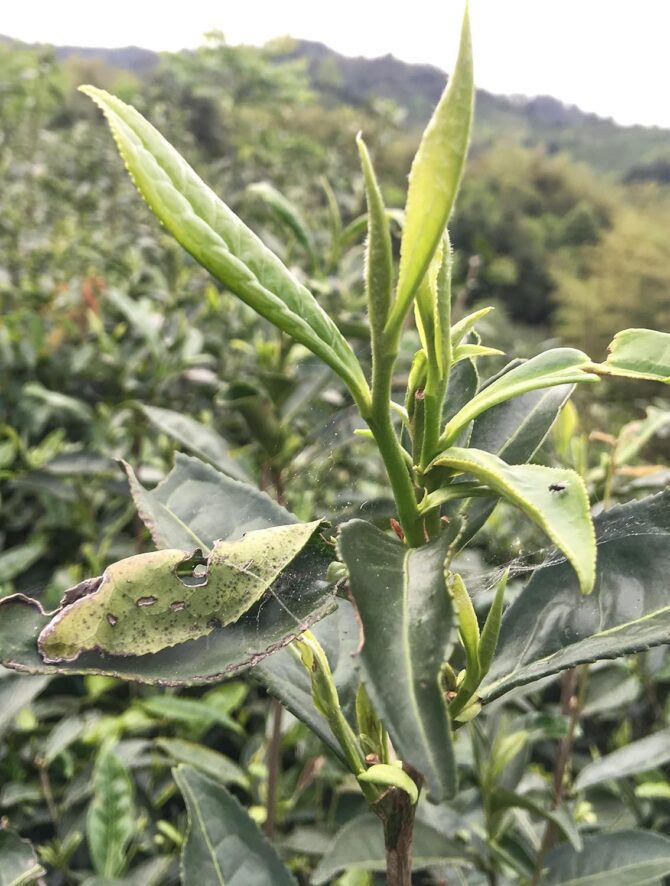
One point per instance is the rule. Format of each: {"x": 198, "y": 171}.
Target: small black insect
{"x": 557, "y": 487}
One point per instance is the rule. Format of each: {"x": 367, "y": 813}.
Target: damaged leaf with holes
{"x": 143, "y": 604}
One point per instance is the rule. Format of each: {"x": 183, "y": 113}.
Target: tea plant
{"x": 387, "y": 657}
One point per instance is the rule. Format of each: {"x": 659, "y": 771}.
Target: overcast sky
{"x": 607, "y": 56}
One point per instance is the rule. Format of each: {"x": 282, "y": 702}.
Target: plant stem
{"x": 396, "y": 812}
{"x": 573, "y": 691}
{"x": 399, "y": 477}
{"x": 274, "y": 766}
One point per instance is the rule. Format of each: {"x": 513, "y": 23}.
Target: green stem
{"x": 390, "y": 448}
{"x": 399, "y": 477}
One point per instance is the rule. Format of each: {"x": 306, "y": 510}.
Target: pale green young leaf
{"x": 468, "y": 351}
{"x": 424, "y": 304}
{"x": 468, "y": 629}
{"x": 110, "y": 823}
{"x": 388, "y": 776}
{"x": 435, "y": 177}
{"x": 221, "y": 242}
{"x": 378, "y": 257}
{"x": 554, "y": 498}
{"x": 558, "y": 366}
{"x": 141, "y": 605}
{"x": 467, "y": 324}
{"x": 638, "y": 353}
{"x": 491, "y": 630}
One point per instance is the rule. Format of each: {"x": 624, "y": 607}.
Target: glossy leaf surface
{"x": 554, "y": 498}
{"x": 220, "y": 241}
{"x": 224, "y": 845}
{"x": 208, "y": 761}
{"x": 408, "y": 624}
{"x": 551, "y": 626}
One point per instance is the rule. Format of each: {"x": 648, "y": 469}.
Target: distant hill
{"x": 538, "y": 121}
{"x": 541, "y": 120}
{"x": 128, "y": 58}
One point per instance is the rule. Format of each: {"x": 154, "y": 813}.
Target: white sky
{"x": 607, "y": 56}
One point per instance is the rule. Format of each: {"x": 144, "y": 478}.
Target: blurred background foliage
{"x": 104, "y": 322}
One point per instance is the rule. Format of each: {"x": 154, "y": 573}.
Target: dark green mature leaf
{"x": 551, "y": 626}
{"x": 620, "y": 858}
{"x": 200, "y": 439}
{"x": 560, "y": 366}
{"x": 195, "y": 505}
{"x": 554, "y": 498}
{"x": 408, "y": 625}
{"x": 18, "y": 862}
{"x": 110, "y": 823}
{"x": 359, "y": 846}
{"x": 16, "y": 692}
{"x": 638, "y": 353}
{"x": 221, "y": 242}
{"x": 435, "y": 176}
{"x": 638, "y": 756}
{"x": 224, "y": 845}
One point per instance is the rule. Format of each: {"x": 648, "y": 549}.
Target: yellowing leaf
{"x": 141, "y": 605}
